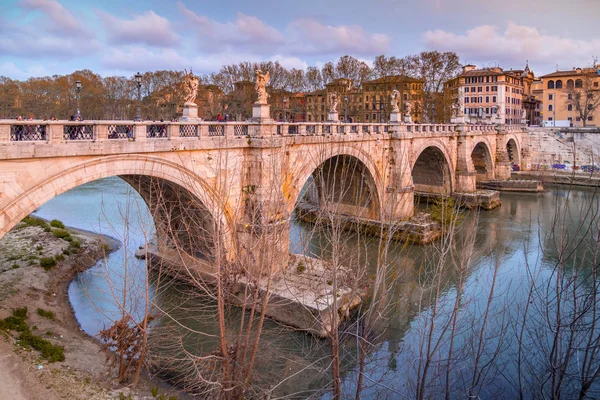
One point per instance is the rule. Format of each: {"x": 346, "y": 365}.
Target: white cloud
{"x": 290, "y": 62}
{"x": 60, "y": 21}
{"x": 305, "y": 36}
{"x": 147, "y": 28}
{"x": 511, "y": 48}
{"x": 245, "y": 32}
{"x": 10, "y": 69}
{"x": 309, "y": 36}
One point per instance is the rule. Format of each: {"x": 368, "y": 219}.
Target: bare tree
{"x": 583, "y": 95}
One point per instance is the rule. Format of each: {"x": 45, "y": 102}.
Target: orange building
{"x": 489, "y": 94}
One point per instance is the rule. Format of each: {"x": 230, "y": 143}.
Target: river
{"x": 506, "y": 296}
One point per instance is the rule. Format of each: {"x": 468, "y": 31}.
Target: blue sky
{"x": 116, "y": 37}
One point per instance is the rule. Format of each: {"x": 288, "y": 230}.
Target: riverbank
{"x": 557, "y": 177}
{"x": 37, "y": 264}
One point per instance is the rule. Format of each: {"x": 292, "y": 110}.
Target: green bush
{"x": 45, "y": 313}
{"x": 47, "y": 263}
{"x": 49, "y": 351}
{"x": 62, "y": 234}
{"x": 16, "y": 322}
{"x": 57, "y": 224}
{"x": 33, "y": 221}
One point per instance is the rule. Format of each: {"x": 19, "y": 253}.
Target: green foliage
{"x": 444, "y": 212}
{"x": 15, "y": 266}
{"x": 57, "y": 224}
{"x": 47, "y": 263}
{"x": 39, "y": 247}
{"x": 49, "y": 351}
{"x": 33, "y": 221}
{"x": 301, "y": 267}
{"x": 45, "y": 313}
{"x": 16, "y": 322}
{"x": 154, "y": 391}
{"x": 62, "y": 234}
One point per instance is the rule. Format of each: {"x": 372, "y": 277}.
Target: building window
{"x": 595, "y": 84}
{"x": 570, "y": 118}
{"x": 493, "y": 99}
{"x": 487, "y": 99}
{"x": 549, "y": 118}
{"x": 550, "y": 84}
{"x": 466, "y": 99}
{"x": 578, "y": 83}
{"x": 590, "y": 118}
{"x": 559, "y": 84}
{"x": 366, "y": 106}
{"x": 549, "y": 107}
{"x": 570, "y": 107}
{"x": 480, "y": 88}
{"x": 570, "y": 83}
{"x": 578, "y": 119}
{"x": 374, "y": 117}
{"x": 550, "y": 97}
{"x": 570, "y": 96}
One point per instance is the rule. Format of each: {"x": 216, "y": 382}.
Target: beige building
{"x": 489, "y": 94}
{"x": 376, "y": 97}
{"x": 573, "y": 96}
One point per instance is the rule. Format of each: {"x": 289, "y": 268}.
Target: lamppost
{"x": 284, "y": 109}
{"x": 346, "y": 109}
{"x": 78, "y": 89}
{"x": 138, "y": 112}
{"x": 433, "y": 113}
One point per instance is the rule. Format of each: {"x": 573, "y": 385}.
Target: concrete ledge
{"x": 528, "y": 186}
{"x": 420, "y": 229}
{"x": 560, "y": 178}
{"x": 301, "y": 295}
{"x": 484, "y": 199}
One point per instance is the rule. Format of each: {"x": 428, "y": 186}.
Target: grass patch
{"x": 62, "y": 234}
{"x": 33, "y": 221}
{"x": 57, "y": 224}
{"x": 17, "y": 322}
{"x": 45, "y": 313}
{"x": 47, "y": 263}
{"x": 15, "y": 266}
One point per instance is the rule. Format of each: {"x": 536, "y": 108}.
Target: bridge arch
{"x": 513, "y": 149}
{"x": 432, "y": 170}
{"x": 351, "y": 169}
{"x": 133, "y": 169}
{"x": 483, "y": 162}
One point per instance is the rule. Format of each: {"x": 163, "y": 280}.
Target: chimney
{"x": 469, "y": 67}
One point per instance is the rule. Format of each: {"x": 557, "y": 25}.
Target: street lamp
{"x": 346, "y": 109}
{"x": 284, "y": 112}
{"x": 138, "y": 112}
{"x": 78, "y": 88}
{"x": 433, "y": 113}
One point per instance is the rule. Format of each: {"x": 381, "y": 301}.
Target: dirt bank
{"x": 24, "y": 374}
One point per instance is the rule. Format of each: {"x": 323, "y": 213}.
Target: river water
{"x": 505, "y": 294}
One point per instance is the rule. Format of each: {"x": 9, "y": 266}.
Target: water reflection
{"x": 500, "y": 249}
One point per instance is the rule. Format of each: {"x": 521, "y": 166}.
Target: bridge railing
{"x": 72, "y": 131}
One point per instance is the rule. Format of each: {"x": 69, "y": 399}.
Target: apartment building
{"x": 573, "y": 96}
{"x": 488, "y": 94}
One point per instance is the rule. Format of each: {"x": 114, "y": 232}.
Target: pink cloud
{"x": 147, "y": 28}
{"x": 514, "y": 45}
{"x": 61, "y": 21}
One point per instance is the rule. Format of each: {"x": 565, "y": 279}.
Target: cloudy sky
{"x": 116, "y": 37}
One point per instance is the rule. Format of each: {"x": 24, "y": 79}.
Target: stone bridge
{"x": 238, "y": 183}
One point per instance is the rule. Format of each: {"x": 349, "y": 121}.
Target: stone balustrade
{"x": 105, "y": 130}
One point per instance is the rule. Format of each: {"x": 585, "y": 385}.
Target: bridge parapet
{"x": 66, "y": 131}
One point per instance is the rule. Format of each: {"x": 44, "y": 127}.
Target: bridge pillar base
{"x": 466, "y": 182}
{"x": 264, "y": 248}
{"x": 503, "y": 170}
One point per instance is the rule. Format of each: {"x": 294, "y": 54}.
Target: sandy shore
{"x": 23, "y": 282}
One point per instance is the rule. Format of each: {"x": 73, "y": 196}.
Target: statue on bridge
{"x": 191, "y": 87}
{"x": 407, "y": 107}
{"x": 333, "y": 102}
{"x": 261, "y": 86}
{"x": 395, "y": 101}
